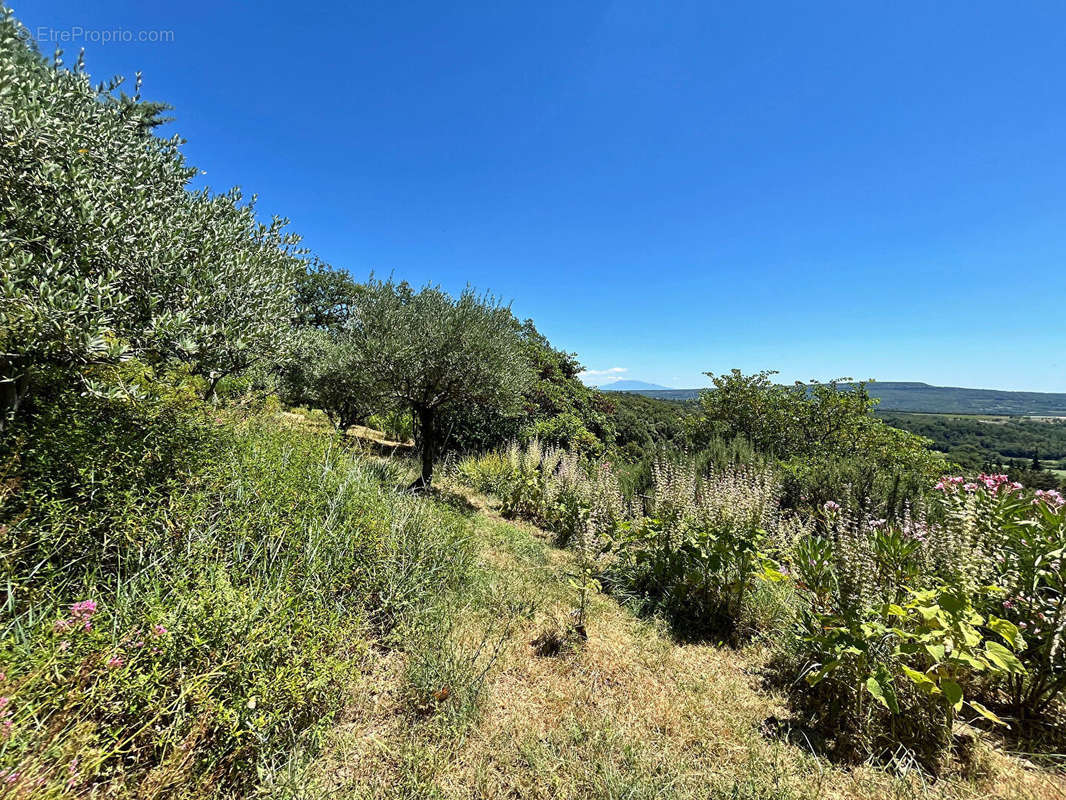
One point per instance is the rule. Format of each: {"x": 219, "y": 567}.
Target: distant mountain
{"x": 925, "y": 399}
{"x": 633, "y": 386}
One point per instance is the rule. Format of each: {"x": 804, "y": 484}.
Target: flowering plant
{"x": 1022, "y": 546}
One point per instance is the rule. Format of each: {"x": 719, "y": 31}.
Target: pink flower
{"x": 83, "y": 610}
{"x": 115, "y": 662}
{"x": 970, "y": 487}
{"x": 1049, "y": 498}
{"x": 62, "y": 625}
{"x": 830, "y": 506}
{"x": 5, "y": 729}
{"x": 158, "y": 630}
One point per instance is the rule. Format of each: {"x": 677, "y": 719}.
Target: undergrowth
{"x": 186, "y": 597}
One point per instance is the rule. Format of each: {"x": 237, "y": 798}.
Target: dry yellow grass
{"x": 627, "y": 714}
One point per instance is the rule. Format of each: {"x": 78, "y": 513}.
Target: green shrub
{"x": 561, "y": 491}
{"x": 185, "y": 598}
{"x": 487, "y": 474}
{"x": 903, "y": 624}
{"x": 396, "y": 425}
{"x": 702, "y": 549}
{"x": 1018, "y": 544}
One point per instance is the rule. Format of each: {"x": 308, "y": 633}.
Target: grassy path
{"x": 628, "y": 714}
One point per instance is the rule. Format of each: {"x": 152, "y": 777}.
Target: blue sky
{"x": 828, "y": 189}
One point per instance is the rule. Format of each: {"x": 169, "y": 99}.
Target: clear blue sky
{"x": 863, "y": 189}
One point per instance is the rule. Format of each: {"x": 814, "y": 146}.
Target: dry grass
{"x": 627, "y": 714}
{"x": 318, "y": 421}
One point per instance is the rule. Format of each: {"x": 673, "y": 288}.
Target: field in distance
{"x": 927, "y": 399}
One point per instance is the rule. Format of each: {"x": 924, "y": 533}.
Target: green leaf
{"x": 814, "y": 677}
{"x": 1005, "y": 628}
{"x": 920, "y": 679}
{"x": 936, "y": 652}
{"x": 1003, "y": 658}
{"x": 883, "y": 694}
{"x": 952, "y": 692}
{"x": 929, "y": 612}
{"x": 984, "y": 712}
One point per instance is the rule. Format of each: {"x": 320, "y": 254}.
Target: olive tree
{"x": 433, "y": 353}
{"x": 105, "y": 254}
{"x": 326, "y": 372}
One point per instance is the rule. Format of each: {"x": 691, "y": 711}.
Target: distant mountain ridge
{"x": 634, "y": 386}
{"x": 927, "y": 399}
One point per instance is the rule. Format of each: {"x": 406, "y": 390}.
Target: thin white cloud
{"x": 602, "y": 377}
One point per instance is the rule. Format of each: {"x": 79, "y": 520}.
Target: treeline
{"x": 119, "y": 280}
{"x": 1013, "y": 444}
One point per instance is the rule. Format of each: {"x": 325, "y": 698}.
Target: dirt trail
{"x": 628, "y": 714}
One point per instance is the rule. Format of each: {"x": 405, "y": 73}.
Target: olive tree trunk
{"x": 427, "y": 427}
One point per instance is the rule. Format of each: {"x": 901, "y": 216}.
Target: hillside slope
{"x": 630, "y": 713}
{"x": 926, "y": 399}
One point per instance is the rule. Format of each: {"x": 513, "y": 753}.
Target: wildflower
{"x": 830, "y": 506}
{"x": 1008, "y": 604}
{"x": 83, "y": 610}
{"x": 115, "y": 662}
{"x": 3, "y": 702}
{"x": 62, "y": 625}
{"x": 970, "y": 487}
{"x": 5, "y": 729}
{"x": 158, "y": 630}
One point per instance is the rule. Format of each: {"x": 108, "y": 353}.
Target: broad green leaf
{"x": 920, "y": 679}
{"x": 929, "y": 612}
{"x": 1005, "y": 628}
{"x": 1003, "y": 658}
{"x": 814, "y": 677}
{"x": 935, "y": 651}
{"x": 883, "y": 694}
{"x": 952, "y": 692}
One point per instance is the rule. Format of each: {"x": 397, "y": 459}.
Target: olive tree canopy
{"x": 431, "y": 352}
{"x": 105, "y": 254}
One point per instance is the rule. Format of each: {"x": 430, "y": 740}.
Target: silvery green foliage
{"x": 325, "y": 372}
{"x": 433, "y": 353}
{"x": 105, "y": 254}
